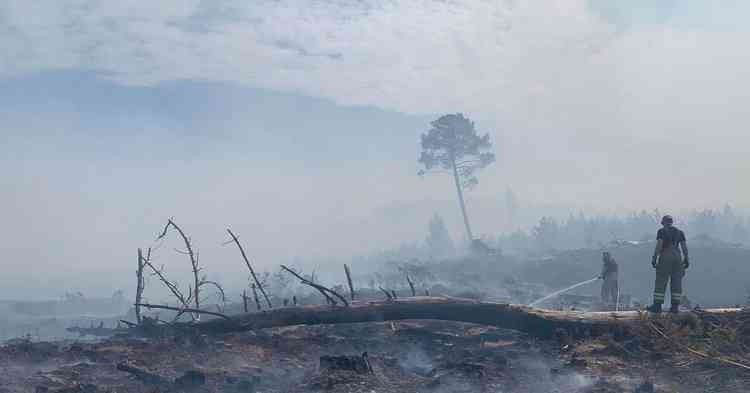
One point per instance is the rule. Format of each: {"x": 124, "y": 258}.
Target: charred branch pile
{"x": 540, "y": 323}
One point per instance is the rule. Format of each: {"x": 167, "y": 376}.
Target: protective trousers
{"x": 609, "y": 291}
{"x": 669, "y": 269}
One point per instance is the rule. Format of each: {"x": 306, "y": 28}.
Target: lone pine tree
{"x": 453, "y": 145}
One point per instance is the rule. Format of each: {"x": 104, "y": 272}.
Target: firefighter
{"x": 609, "y": 275}
{"x": 670, "y": 261}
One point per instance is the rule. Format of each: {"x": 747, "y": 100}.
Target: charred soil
{"x": 405, "y": 356}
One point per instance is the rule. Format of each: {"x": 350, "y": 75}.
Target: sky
{"x": 296, "y": 123}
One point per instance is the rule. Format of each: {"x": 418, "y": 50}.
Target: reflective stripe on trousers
{"x": 669, "y": 270}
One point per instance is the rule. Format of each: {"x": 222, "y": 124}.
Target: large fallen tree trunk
{"x": 536, "y": 322}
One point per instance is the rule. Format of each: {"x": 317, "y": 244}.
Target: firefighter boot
{"x": 674, "y": 308}
{"x": 654, "y": 308}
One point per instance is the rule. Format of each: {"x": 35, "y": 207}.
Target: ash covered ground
{"x": 407, "y": 356}
{"x": 400, "y": 356}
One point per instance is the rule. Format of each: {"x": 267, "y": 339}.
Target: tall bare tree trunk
{"x": 460, "y": 191}
{"x": 140, "y": 285}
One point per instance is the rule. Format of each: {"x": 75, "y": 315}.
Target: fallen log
{"x": 536, "y": 322}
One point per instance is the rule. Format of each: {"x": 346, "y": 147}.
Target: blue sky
{"x": 297, "y": 122}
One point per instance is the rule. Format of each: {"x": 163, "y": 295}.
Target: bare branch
{"x": 411, "y": 285}
{"x": 250, "y": 267}
{"x": 387, "y": 294}
{"x": 183, "y": 310}
{"x": 141, "y": 283}
{"x": 255, "y": 297}
{"x": 171, "y": 286}
{"x": 222, "y": 295}
{"x": 323, "y": 290}
{"x": 130, "y": 324}
{"x": 349, "y": 280}
{"x": 166, "y": 227}
{"x": 193, "y": 259}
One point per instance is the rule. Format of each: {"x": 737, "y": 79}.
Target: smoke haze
{"x": 297, "y": 124}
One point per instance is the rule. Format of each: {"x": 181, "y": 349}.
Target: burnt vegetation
{"x": 439, "y": 316}
{"x": 430, "y": 325}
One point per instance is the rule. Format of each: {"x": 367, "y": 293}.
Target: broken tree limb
{"x": 349, "y": 280}
{"x": 184, "y": 310}
{"x": 388, "y": 295}
{"x": 255, "y": 296}
{"x": 193, "y": 260}
{"x": 250, "y": 267}
{"x": 141, "y": 284}
{"x": 411, "y": 285}
{"x": 218, "y": 287}
{"x": 128, "y": 323}
{"x": 539, "y": 323}
{"x": 323, "y": 290}
{"x": 185, "y": 301}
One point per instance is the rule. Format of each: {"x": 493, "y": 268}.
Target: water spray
{"x": 556, "y": 293}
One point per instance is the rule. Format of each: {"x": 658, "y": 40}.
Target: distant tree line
{"x": 583, "y": 231}
{"x": 577, "y": 231}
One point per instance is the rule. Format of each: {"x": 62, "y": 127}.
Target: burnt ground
{"x": 407, "y": 356}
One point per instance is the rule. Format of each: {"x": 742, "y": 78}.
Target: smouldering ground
{"x": 410, "y": 356}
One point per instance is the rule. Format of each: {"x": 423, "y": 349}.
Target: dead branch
{"x": 349, "y": 280}
{"x": 329, "y": 299}
{"x": 130, "y": 324}
{"x": 250, "y": 267}
{"x": 411, "y": 285}
{"x": 185, "y": 301}
{"x": 312, "y": 275}
{"x": 222, "y": 296}
{"x": 141, "y": 283}
{"x": 388, "y": 295}
{"x": 193, "y": 259}
{"x": 255, "y": 296}
{"x": 184, "y": 310}
{"x": 323, "y": 290}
